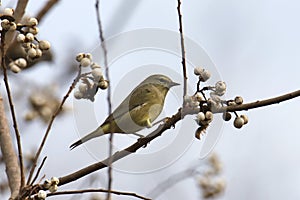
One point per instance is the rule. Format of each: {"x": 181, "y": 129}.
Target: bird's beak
{"x": 173, "y": 84}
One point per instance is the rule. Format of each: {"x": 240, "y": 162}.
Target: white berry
{"x": 238, "y": 122}
{"x": 85, "y": 62}
{"x": 44, "y": 45}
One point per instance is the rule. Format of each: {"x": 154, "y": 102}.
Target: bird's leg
{"x": 148, "y": 123}
{"x": 162, "y": 120}
{"x": 139, "y": 135}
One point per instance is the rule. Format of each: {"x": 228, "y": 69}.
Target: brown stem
{"x": 50, "y": 125}
{"x": 111, "y": 136}
{"x": 183, "y": 62}
{"x": 97, "y": 190}
{"x": 170, "y": 122}
{"x": 12, "y": 109}
{"x": 47, "y": 7}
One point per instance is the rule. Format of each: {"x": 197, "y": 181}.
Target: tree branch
{"x": 97, "y": 190}
{"x": 170, "y": 122}
{"x": 8, "y": 154}
{"x": 50, "y": 125}
{"x": 12, "y": 109}
{"x": 183, "y": 62}
{"x": 111, "y": 136}
{"x": 47, "y": 7}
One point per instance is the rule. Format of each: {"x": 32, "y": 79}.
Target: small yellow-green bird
{"x": 140, "y": 108}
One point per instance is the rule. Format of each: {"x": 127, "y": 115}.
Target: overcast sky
{"x": 251, "y": 45}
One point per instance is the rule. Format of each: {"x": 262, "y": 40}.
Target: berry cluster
{"x": 213, "y": 103}
{"x": 27, "y": 32}
{"x": 51, "y": 185}
{"x": 91, "y": 81}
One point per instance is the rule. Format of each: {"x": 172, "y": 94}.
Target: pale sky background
{"x": 254, "y": 46}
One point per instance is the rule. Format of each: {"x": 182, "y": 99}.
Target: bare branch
{"x": 8, "y": 153}
{"x": 50, "y": 125}
{"x": 183, "y": 62}
{"x": 20, "y": 10}
{"x": 47, "y": 7}
{"x": 111, "y": 136}
{"x": 39, "y": 170}
{"x": 97, "y": 190}
{"x": 170, "y": 122}
{"x": 12, "y": 109}
{"x": 259, "y": 103}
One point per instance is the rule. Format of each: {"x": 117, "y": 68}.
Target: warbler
{"x": 137, "y": 111}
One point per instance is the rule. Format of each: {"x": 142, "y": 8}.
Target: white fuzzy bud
{"x": 8, "y": 11}
{"x": 89, "y": 56}
{"x": 42, "y": 194}
{"x": 31, "y": 53}
{"x": 83, "y": 87}
{"x": 34, "y": 30}
{"x": 245, "y": 118}
{"x": 95, "y": 65}
{"x": 200, "y": 117}
{"x": 85, "y": 62}
{"x": 5, "y": 24}
{"x": 14, "y": 68}
{"x": 79, "y": 57}
{"x": 97, "y": 74}
{"x": 39, "y": 53}
{"x": 32, "y": 21}
{"x": 238, "y": 122}
{"x": 103, "y": 84}
{"x": 21, "y": 38}
{"x": 13, "y": 26}
{"x": 47, "y": 184}
{"x": 30, "y": 37}
{"x": 78, "y": 95}
{"x": 199, "y": 96}
{"x": 220, "y": 87}
{"x": 21, "y": 62}
{"x": 54, "y": 181}
{"x": 44, "y": 45}
{"x": 216, "y": 98}
{"x": 203, "y": 74}
{"x": 209, "y": 115}
{"x": 53, "y": 188}
{"x": 238, "y": 100}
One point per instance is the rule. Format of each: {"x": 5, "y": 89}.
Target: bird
{"x": 137, "y": 111}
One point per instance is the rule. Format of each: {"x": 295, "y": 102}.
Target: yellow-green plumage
{"x": 140, "y": 108}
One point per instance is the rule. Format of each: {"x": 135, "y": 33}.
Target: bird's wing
{"x": 140, "y": 94}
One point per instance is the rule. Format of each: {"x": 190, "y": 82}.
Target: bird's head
{"x": 161, "y": 81}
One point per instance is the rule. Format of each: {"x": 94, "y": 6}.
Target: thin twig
{"x": 170, "y": 122}
{"x": 172, "y": 180}
{"x": 50, "y": 125}
{"x": 39, "y": 170}
{"x": 97, "y": 190}
{"x": 183, "y": 62}
{"x": 111, "y": 136}
{"x": 12, "y": 109}
{"x": 47, "y": 7}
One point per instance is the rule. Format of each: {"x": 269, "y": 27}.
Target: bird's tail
{"x": 96, "y": 133}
